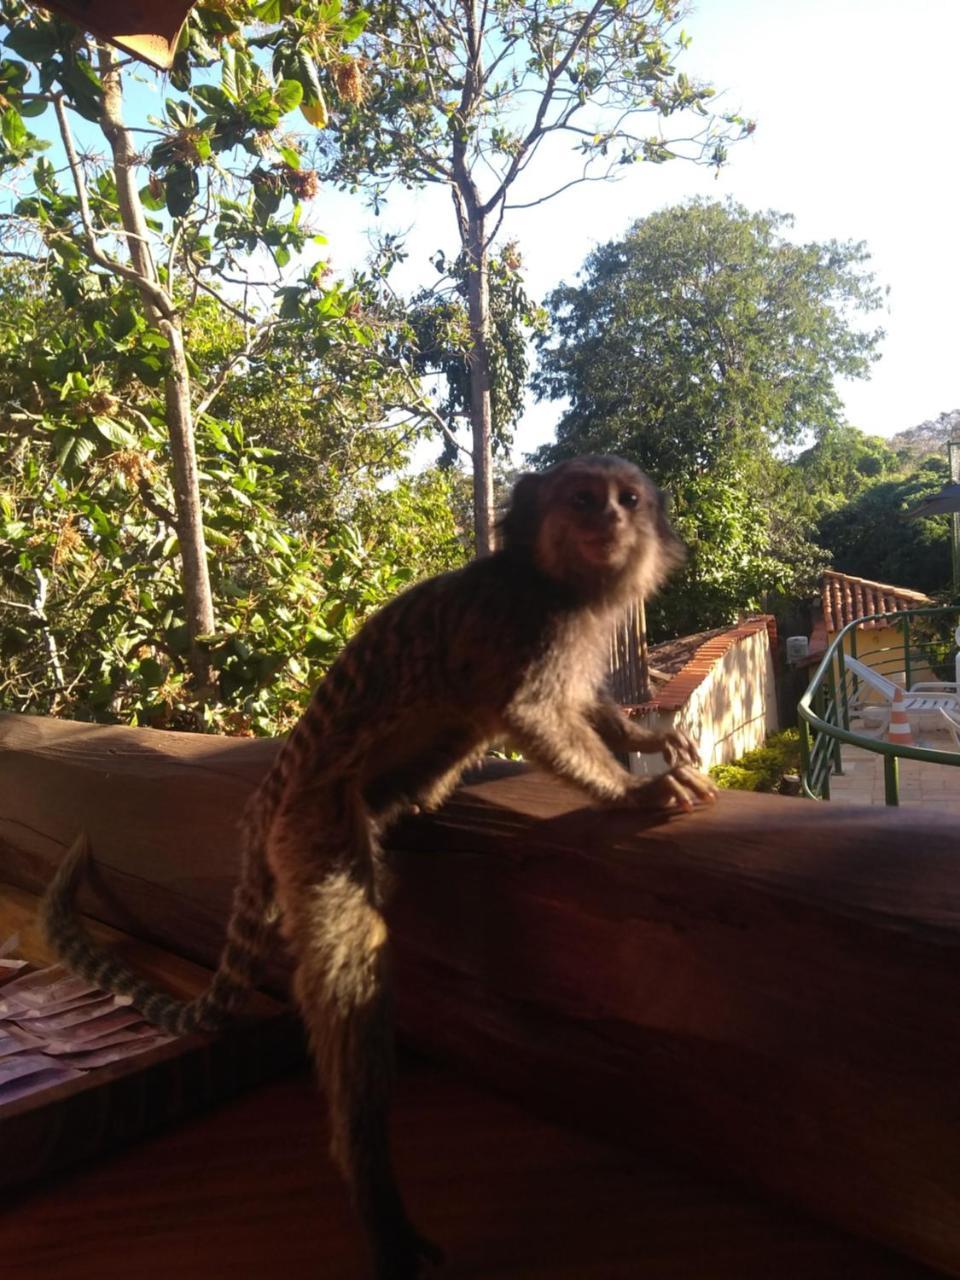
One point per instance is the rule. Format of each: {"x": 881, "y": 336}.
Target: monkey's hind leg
{"x": 341, "y": 985}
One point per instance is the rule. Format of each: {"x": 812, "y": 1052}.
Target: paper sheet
{"x": 55, "y": 1026}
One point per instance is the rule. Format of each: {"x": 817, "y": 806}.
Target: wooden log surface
{"x": 768, "y": 986}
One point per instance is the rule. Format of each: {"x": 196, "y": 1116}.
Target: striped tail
{"x": 249, "y": 933}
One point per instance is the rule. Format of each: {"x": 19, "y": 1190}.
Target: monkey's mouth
{"x": 601, "y": 548}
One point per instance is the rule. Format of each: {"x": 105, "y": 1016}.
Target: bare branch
{"x": 412, "y": 382}
{"x": 151, "y": 291}
{"x": 574, "y": 182}
{"x": 546, "y": 98}
{"x": 154, "y": 506}
{"x": 241, "y": 315}
{"x": 255, "y": 343}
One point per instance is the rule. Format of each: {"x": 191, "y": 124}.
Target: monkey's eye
{"x": 630, "y": 499}
{"x": 583, "y": 500}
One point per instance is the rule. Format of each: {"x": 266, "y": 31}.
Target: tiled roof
{"x": 676, "y": 692}
{"x": 845, "y": 598}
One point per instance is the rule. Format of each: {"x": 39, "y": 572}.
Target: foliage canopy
{"x": 699, "y": 346}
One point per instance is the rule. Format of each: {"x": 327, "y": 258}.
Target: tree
{"x": 220, "y": 170}
{"x": 466, "y": 95}
{"x": 843, "y": 462}
{"x": 872, "y": 537}
{"x": 441, "y": 344}
{"x": 91, "y": 618}
{"x": 698, "y": 346}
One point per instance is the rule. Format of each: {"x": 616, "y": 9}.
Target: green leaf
{"x": 203, "y": 52}
{"x": 14, "y": 131}
{"x": 83, "y": 84}
{"x": 182, "y": 188}
{"x": 305, "y": 70}
{"x": 150, "y": 201}
{"x": 229, "y": 75}
{"x": 269, "y": 12}
{"x": 36, "y": 44}
{"x": 13, "y": 76}
{"x": 115, "y": 433}
{"x": 355, "y": 26}
{"x": 289, "y": 94}
{"x": 214, "y": 99}
{"x": 151, "y": 672}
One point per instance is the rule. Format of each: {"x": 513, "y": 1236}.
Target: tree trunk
{"x": 195, "y": 576}
{"x": 481, "y": 408}
{"x": 198, "y": 600}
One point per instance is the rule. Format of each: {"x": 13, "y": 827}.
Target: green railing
{"x": 926, "y": 652}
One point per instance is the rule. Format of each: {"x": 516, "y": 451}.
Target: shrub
{"x": 763, "y": 768}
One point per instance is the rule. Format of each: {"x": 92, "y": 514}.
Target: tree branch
{"x": 256, "y": 341}
{"x": 545, "y": 99}
{"x": 149, "y": 288}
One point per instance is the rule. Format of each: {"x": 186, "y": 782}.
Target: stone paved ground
{"x": 935, "y": 786}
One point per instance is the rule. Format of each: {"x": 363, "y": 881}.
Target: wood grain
{"x": 767, "y": 988}
{"x": 246, "y": 1193}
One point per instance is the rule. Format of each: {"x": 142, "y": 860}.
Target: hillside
{"x": 928, "y": 437}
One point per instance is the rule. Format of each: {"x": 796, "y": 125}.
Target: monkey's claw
{"x": 681, "y": 787}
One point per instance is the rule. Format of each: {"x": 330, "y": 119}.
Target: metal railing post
{"x": 835, "y": 709}
{"x": 891, "y": 780}
{"x": 823, "y": 712}
{"x": 842, "y": 676}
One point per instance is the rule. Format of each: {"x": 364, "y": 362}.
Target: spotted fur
{"x": 513, "y": 646}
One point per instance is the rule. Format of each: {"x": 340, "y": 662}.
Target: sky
{"x": 857, "y": 112}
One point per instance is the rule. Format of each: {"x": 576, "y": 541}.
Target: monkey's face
{"x": 603, "y": 528}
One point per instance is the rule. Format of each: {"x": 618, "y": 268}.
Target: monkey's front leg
{"x": 620, "y": 733}
{"x": 568, "y": 745}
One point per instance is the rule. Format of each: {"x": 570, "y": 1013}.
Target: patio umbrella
{"x": 946, "y": 502}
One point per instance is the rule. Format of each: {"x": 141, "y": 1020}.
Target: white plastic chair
{"x": 914, "y": 700}
{"x": 944, "y": 686}
{"x": 952, "y": 726}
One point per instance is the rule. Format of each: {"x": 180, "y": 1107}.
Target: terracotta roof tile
{"x": 676, "y": 692}
{"x": 845, "y": 598}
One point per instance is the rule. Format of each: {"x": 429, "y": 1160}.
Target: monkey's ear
{"x": 519, "y": 525}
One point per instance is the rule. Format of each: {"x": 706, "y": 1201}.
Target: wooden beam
{"x": 768, "y": 986}
{"x": 148, "y": 31}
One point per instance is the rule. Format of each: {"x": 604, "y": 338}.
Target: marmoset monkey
{"x": 511, "y": 647}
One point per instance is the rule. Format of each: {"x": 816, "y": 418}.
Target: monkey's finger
{"x": 684, "y": 788}
{"x": 679, "y": 748}
{"x": 664, "y": 792}
{"x": 696, "y": 784}
{"x": 431, "y": 1259}
{"x": 686, "y": 748}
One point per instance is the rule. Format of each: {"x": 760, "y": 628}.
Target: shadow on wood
{"x": 767, "y": 987}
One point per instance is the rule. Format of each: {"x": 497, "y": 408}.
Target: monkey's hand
{"x": 676, "y": 746}
{"x": 681, "y": 787}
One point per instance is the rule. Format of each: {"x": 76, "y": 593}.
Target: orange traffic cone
{"x": 898, "y": 730}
